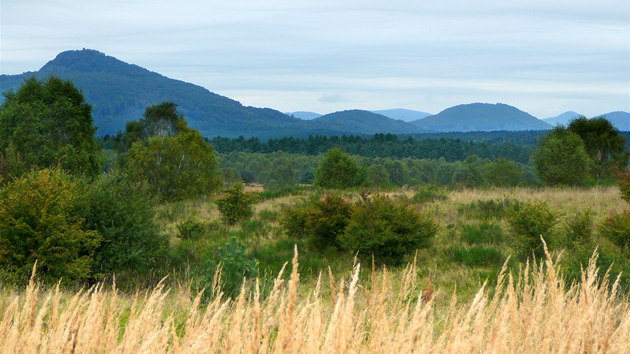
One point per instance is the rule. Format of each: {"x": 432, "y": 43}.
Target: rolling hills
{"x": 481, "y": 117}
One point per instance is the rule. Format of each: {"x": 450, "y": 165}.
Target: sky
{"x": 544, "y": 57}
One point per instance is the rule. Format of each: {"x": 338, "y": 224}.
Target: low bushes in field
{"x": 374, "y": 226}
{"x": 430, "y": 193}
{"x": 529, "y": 222}
{"x": 235, "y": 205}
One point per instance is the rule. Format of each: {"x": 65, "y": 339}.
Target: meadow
{"x": 468, "y": 292}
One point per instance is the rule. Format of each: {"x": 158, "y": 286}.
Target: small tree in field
{"x": 338, "y": 170}
{"x": 235, "y": 205}
{"x": 561, "y": 158}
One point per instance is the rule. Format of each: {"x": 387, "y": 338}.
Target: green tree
{"x": 176, "y": 167}
{"x": 503, "y": 173}
{"x": 40, "y": 221}
{"x": 235, "y": 205}
{"x": 603, "y": 143}
{"x": 378, "y": 176}
{"x": 48, "y": 124}
{"x": 122, "y": 213}
{"x": 338, "y": 170}
{"x": 160, "y": 120}
{"x": 561, "y": 158}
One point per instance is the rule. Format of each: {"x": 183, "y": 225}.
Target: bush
{"x": 529, "y": 222}
{"x": 40, "y": 221}
{"x": 123, "y": 213}
{"x": 387, "y": 229}
{"x": 579, "y": 228}
{"x": 193, "y": 229}
{"x": 321, "y": 220}
{"x": 429, "y": 193}
{"x": 476, "y": 256}
{"x": 561, "y": 158}
{"x": 485, "y": 233}
{"x": 617, "y": 229}
{"x": 235, "y": 205}
{"x": 623, "y": 181}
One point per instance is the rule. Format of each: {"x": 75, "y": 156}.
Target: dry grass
{"x": 533, "y": 311}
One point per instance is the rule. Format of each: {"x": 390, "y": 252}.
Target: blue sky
{"x": 544, "y": 57}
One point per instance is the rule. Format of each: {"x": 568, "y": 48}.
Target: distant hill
{"x": 364, "y": 122}
{"x": 406, "y": 115}
{"x": 481, "y": 117}
{"x": 562, "y": 119}
{"x": 304, "y": 115}
{"x": 620, "y": 119}
{"x": 119, "y": 92}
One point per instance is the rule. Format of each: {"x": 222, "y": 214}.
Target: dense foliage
{"x": 561, "y": 158}
{"x": 41, "y": 220}
{"x": 339, "y": 170}
{"x": 47, "y": 124}
{"x": 529, "y": 223}
{"x": 175, "y": 167}
{"x": 235, "y": 205}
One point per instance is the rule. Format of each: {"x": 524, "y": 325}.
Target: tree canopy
{"x": 338, "y": 170}
{"x": 47, "y": 124}
{"x": 561, "y": 158}
{"x": 603, "y": 143}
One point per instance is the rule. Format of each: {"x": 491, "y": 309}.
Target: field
{"x": 465, "y": 294}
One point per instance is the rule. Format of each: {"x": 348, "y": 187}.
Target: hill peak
{"x": 87, "y": 60}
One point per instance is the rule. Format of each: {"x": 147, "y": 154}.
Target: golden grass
{"x": 530, "y": 312}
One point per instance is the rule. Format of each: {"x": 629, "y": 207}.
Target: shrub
{"x": 623, "y": 181}
{"x": 321, "y": 220}
{"x": 561, "y": 158}
{"x": 616, "y": 228}
{"x": 429, "y": 193}
{"x": 39, "y": 221}
{"x": 476, "y": 256}
{"x": 123, "y": 213}
{"x": 483, "y": 233}
{"x": 387, "y": 229}
{"x": 529, "y": 222}
{"x": 579, "y": 228}
{"x": 193, "y": 229}
{"x": 235, "y": 205}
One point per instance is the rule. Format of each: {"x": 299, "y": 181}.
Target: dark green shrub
{"x": 623, "y": 181}
{"x": 123, "y": 213}
{"x": 476, "y": 256}
{"x": 579, "y": 228}
{"x": 387, "y": 229}
{"x": 485, "y": 233}
{"x": 40, "y": 221}
{"x": 429, "y": 193}
{"x": 529, "y": 222}
{"x": 487, "y": 209}
{"x": 616, "y": 228}
{"x": 321, "y": 220}
{"x": 235, "y": 205}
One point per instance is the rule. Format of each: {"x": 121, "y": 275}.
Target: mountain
{"x": 481, "y": 117}
{"x": 562, "y": 119}
{"x": 365, "y": 122}
{"x": 621, "y": 120}
{"x": 304, "y": 115}
{"x": 406, "y": 115}
{"x": 119, "y": 92}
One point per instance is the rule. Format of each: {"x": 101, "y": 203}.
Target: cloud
{"x": 545, "y": 56}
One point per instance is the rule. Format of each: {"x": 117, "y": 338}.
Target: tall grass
{"x": 532, "y": 311}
